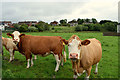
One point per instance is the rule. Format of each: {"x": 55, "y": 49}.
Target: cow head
{"x": 74, "y": 47}
{"x": 15, "y": 36}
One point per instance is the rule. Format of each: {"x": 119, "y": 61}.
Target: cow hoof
{"x": 31, "y": 65}
{"x": 10, "y": 61}
{"x": 75, "y": 76}
{"x": 95, "y": 73}
{"x": 78, "y": 74}
{"x": 56, "y": 70}
{"x": 54, "y": 76}
{"x": 62, "y": 65}
{"x": 35, "y": 57}
{"x": 27, "y": 67}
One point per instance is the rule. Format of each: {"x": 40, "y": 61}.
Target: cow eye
{"x": 79, "y": 44}
{"x": 69, "y": 44}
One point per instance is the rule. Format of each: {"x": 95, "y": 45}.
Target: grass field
{"x": 44, "y": 66}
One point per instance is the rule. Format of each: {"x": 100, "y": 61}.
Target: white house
{"x": 118, "y": 28}
{"x": 2, "y": 27}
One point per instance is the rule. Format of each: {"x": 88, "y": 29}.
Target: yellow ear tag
{"x": 63, "y": 43}
{"x": 9, "y": 36}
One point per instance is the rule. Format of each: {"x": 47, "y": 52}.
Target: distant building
{"x": 5, "y": 24}
{"x": 118, "y": 28}
{"x": 54, "y": 23}
{"x": 29, "y": 23}
{"x": 73, "y": 23}
{"x": 2, "y": 27}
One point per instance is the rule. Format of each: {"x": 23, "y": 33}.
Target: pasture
{"x": 44, "y": 66}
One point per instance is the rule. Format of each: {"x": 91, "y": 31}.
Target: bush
{"x": 93, "y": 27}
{"x": 23, "y": 29}
{"x": 52, "y": 28}
{"x": 109, "y": 26}
{"x": 33, "y": 29}
{"x": 78, "y": 28}
{"x": 85, "y": 28}
{"x": 46, "y": 27}
{"x": 42, "y": 26}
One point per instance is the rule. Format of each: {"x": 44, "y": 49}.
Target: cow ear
{"x": 65, "y": 41}
{"x": 85, "y": 42}
{"x": 11, "y": 35}
{"x": 21, "y": 35}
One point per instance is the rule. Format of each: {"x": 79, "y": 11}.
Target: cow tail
{"x": 64, "y": 53}
{"x": 64, "y": 43}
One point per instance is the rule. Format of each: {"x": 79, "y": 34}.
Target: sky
{"x": 55, "y": 10}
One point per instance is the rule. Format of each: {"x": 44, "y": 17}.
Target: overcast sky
{"x": 57, "y": 10}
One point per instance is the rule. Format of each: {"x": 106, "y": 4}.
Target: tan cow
{"x": 84, "y": 54}
{"x": 39, "y": 45}
{"x": 10, "y": 46}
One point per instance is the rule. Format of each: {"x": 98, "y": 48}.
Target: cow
{"x": 10, "y": 46}
{"x": 40, "y": 45}
{"x": 84, "y": 54}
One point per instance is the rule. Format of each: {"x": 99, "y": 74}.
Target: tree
{"x": 104, "y": 21}
{"x": 16, "y": 26}
{"x": 94, "y": 20}
{"x": 87, "y": 20}
{"x": 80, "y": 21}
{"x": 46, "y": 27}
{"x": 109, "y": 26}
{"x": 42, "y": 26}
{"x": 23, "y": 29}
{"x": 63, "y": 22}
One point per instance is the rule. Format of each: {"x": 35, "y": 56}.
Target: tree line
{"x": 82, "y": 25}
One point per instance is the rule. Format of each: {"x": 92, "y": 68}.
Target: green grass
{"x": 44, "y": 66}
{"x": 62, "y": 29}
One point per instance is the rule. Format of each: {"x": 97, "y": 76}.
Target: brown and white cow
{"x": 39, "y": 45}
{"x": 84, "y": 54}
{"x": 10, "y": 46}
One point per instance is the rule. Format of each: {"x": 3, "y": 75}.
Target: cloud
{"x": 49, "y": 11}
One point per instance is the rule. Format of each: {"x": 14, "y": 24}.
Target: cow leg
{"x": 88, "y": 71}
{"x": 96, "y": 69}
{"x": 31, "y": 60}
{"x": 64, "y": 56}
{"x": 28, "y": 58}
{"x": 11, "y": 54}
{"x": 35, "y": 57}
{"x": 74, "y": 66}
{"x": 58, "y": 62}
{"x": 28, "y": 64}
{"x": 79, "y": 74}
{"x": 61, "y": 59}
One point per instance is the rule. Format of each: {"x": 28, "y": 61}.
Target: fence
{"x": 0, "y": 54}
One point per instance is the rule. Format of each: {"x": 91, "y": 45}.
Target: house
{"x": 5, "y": 24}
{"x": 54, "y": 23}
{"x": 118, "y": 28}
{"x": 2, "y": 27}
{"x": 73, "y": 23}
{"x": 29, "y": 23}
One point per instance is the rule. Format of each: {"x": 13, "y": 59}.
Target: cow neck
{"x": 80, "y": 53}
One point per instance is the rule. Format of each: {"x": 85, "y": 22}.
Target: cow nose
{"x": 73, "y": 56}
{"x": 16, "y": 39}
